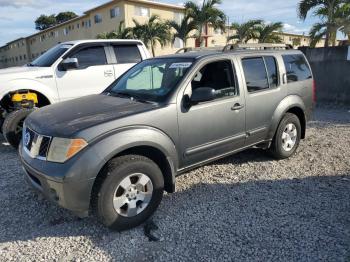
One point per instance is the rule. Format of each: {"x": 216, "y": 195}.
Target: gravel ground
{"x": 247, "y": 207}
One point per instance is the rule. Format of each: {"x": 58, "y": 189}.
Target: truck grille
{"x": 36, "y": 145}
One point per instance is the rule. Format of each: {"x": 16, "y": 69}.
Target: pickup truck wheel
{"x": 13, "y": 124}
{"x": 287, "y": 137}
{"x": 131, "y": 192}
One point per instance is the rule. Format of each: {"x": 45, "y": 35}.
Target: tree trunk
{"x": 153, "y": 51}
{"x": 326, "y": 43}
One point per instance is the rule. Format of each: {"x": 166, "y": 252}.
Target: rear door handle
{"x": 237, "y": 106}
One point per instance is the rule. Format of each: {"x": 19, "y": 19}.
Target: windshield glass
{"x": 50, "y": 56}
{"x": 151, "y": 80}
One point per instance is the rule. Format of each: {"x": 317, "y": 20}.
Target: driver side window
{"x": 90, "y": 56}
{"x": 217, "y": 75}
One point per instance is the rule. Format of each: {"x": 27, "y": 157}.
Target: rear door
{"x": 93, "y": 75}
{"x": 126, "y": 56}
{"x": 264, "y": 92}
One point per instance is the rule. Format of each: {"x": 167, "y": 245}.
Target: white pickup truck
{"x": 66, "y": 71}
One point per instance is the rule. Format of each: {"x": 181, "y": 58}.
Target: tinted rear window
{"x": 255, "y": 74}
{"x": 296, "y": 67}
{"x": 127, "y": 54}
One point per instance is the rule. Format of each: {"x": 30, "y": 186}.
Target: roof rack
{"x": 198, "y": 49}
{"x": 260, "y": 46}
{"x": 232, "y": 47}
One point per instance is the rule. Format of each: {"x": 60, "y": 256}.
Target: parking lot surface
{"x": 246, "y": 207}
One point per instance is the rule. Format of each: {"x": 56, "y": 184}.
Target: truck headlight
{"x": 62, "y": 149}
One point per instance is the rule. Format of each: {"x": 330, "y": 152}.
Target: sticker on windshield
{"x": 181, "y": 65}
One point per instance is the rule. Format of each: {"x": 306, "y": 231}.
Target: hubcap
{"x": 289, "y": 137}
{"x": 133, "y": 195}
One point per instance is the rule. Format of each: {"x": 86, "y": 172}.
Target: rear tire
{"x": 130, "y": 193}
{"x": 13, "y": 124}
{"x": 287, "y": 137}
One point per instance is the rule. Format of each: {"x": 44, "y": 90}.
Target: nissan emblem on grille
{"x": 26, "y": 138}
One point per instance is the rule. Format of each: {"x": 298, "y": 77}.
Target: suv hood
{"x": 67, "y": 118}
{"x": 22, "y": 72}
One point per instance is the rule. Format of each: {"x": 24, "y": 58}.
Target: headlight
{"x": 62, "y": 149}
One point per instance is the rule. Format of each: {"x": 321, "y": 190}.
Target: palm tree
{"x": 153, "y": 32}
{"x": 205, "y": 14}
{"x": 326, "y": 9}
{"x": 317, "y": 33}
{"x": 245, "y": 31}
{"x": 121, "y": 33}
{"x": 343, "y": 19}
{"x": 267, "y": 32}
{"x": 182, "y": 29}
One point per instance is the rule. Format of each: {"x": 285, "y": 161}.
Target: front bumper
{"x": 71, "y": 190}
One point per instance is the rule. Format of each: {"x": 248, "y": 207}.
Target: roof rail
{"x": 198, "y": 49}
{"x": 260, "y": 46}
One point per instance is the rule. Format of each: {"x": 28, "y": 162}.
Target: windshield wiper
{"x": 131, "y": 96}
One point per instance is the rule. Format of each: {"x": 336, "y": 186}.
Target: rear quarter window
{"x": 296, "y": 67}
{"x": 127, "y": 54}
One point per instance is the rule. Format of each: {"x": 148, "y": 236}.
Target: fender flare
{"x": 284, "y": 106}
{"x": 118, "y": 141}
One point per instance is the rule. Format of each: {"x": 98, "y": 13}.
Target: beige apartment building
{"x": 106, "y": 18}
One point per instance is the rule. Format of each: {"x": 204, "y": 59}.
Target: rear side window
{"x": 296, "y": 67}
{"x": 127, "y": 54}
{"x": 91, "y": 56}
{"x": 255, "y": 74}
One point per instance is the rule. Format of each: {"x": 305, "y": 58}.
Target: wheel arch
{"x": 291, "y": 104}
{"x": 153, "y": 144}
{"x": 46, "y": 95}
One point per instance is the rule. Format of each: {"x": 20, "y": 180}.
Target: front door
{"x": 213, "y": 128}
{"x": 93, "y": 75}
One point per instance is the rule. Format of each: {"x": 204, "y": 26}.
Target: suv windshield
{"x": 50, "y": 56}
{"x": 151, "y": 80}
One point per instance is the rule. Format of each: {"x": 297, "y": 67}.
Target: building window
{"x": 89, "y": 23}
{"x": 98, "y": 18}
{"x": 56, "y": 34}
{"x": 24, "y": 57}
{"x": 115, "y": 12}
{"x": 65, "y": 31}
{"x": 178, "y": 17}
{"x": 142, "y": 11}
{"x": 78, "y": 26}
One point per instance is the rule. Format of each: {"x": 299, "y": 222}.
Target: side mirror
{"x": 202, "y": 94}
{"x": 69, "y": 63}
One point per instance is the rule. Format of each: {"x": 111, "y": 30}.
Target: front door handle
{"x": 237, "y": 106}
{"x": 108, "y": 73}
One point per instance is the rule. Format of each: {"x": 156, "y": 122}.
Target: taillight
{"x": 314, "y": 98}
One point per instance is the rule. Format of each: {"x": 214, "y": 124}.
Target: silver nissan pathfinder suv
{"x": 115, "y": 153}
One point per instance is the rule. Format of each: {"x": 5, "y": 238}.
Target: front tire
{"x": 287, "y": 137}
{"x": 130, "y": 193}
{"x": 13, "y": 124}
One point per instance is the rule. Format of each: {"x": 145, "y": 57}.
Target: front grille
{"x": 36, "y": 145}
